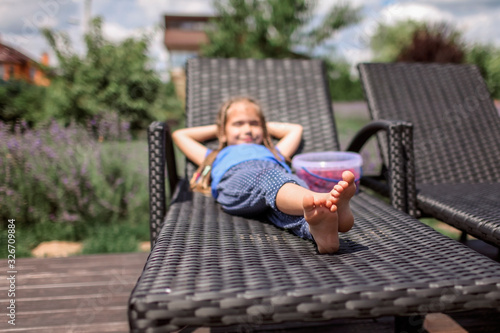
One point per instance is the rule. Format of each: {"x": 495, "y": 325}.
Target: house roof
{"x": 12, "y": 56}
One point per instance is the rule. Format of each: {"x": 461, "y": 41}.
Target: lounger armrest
{"x": 161, "y": 161}
{"x": 400, "y": 172}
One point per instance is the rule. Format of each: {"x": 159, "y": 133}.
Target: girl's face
{"x": 243, "y": 124}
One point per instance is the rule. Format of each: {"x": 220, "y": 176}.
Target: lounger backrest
{"x": 456, "y": 125}
{"x": 288, "y": 90}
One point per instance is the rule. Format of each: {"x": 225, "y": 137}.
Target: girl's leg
{"x": 326, "y": 213}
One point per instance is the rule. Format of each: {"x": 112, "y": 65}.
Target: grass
{"x": 115, "y": 238}
{"x": 442, "y": 228}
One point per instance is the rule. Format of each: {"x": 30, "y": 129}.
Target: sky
{"x": 20, "y": 21}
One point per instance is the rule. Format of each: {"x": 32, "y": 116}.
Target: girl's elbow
{"x": 177, "y": 135}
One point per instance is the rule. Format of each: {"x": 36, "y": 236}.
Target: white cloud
{"x": 418, "y": 12}
{"x": 154, "y": 8}
{"x": 117, "y": 32}
{"x": 481, "y": 27}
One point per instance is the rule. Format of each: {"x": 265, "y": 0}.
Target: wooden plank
{"x": 119, "y": 327}
{"x": 80, "y": 263}
{"x": 72, "y": 317}
{"x": 91, "y": 287}
{"x": 63, "y": 278}
{"x": 98, "y": 301}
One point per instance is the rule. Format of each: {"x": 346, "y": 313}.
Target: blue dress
{"x": 245, "y": 181}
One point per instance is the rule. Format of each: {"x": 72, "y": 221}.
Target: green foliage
{"x": 343, "y": 86}
{"x": 388, "y": 40}
{"x": 20, "y": 100}
{"x": 109, "y": 78}
{"x": 168, "y": 106}
{"x": 66, "y": 176}
{"x": 271, "y": 28}
{"x": 487, "y": 58}
{"x": 69, "y": 183}
{"x": 115, "y": 237}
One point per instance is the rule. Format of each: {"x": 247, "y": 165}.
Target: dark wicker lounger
{"x": 456, "y": 139}
{"x": 208, "y": 268}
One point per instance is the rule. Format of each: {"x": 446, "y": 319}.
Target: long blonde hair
{"x": 201, "y": 180}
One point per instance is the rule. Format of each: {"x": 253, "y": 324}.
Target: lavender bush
{"x": 72, "y": 174}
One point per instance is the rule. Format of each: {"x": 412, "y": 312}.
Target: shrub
{"x": 22, "y": 100}
{"x": 487, "y": 58}
{"x": 439, "y": 43}
{"x": 70, "y": 175}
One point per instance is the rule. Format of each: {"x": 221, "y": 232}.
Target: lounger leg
{"x": 463, "y": 237}
{"x": 409, "y": 324}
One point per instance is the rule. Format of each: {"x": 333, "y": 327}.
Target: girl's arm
{"x": 189, "y": 141}
{"x": 289, "y": 134}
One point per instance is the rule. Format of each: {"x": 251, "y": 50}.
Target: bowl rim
{"x": 353, "y": 160}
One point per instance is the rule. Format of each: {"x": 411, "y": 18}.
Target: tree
{"x": 272, "y": 28}
{"x": 109, "y": 77}
{"x": 434, "y": 43}
{"x": 388, "y": 40}
{"x": 487, "y": 58}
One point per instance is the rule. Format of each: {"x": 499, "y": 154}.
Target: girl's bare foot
{"x": 342, "y": 193}
{"x": 321, "y": 215}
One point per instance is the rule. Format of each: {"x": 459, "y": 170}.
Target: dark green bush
{"x": 20, "y": 100}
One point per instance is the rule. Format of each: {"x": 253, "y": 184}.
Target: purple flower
{"x": 12, "y": 143}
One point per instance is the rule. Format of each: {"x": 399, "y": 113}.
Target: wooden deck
{"x": 90, "y": 293}
{"x": 74, "y": 294}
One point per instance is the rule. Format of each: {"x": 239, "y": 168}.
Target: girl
{"x": 248, "y": 175}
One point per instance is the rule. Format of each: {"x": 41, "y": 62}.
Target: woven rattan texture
{"x": 157, "y": 197}
{"x": 456, "y": 125}
{"x": 478, "y": 207}
{"x": 456, "y": 136}
{"x": 210, "y": 268}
